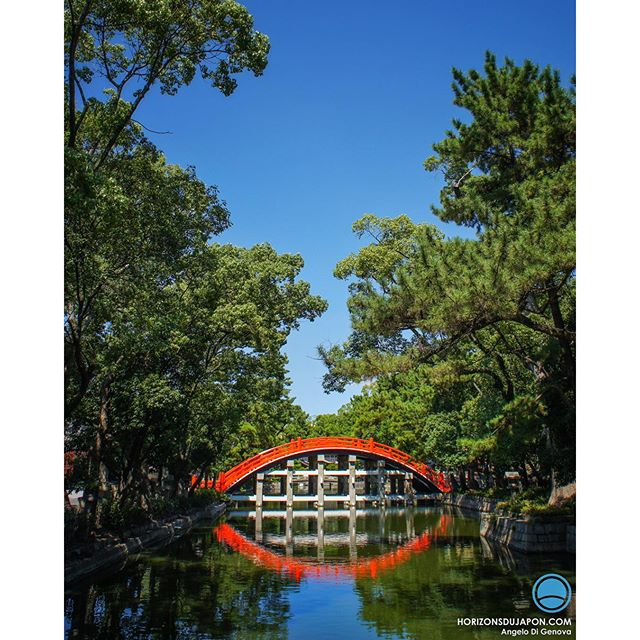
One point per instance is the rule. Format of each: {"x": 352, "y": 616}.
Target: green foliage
{"x": 193, "y": 360}
{"x": 516, "y": 156}
{"x": 173, "y": 343}
{"x": 536, "y": 509}
{"x": 117, "y": 515}
{"x": 205, "y": 497}
{"x": 534, "y": 502}
{"x": 162, "y": 506}
{"x": 488, "y": 322}
{"x": 123, "y": 48}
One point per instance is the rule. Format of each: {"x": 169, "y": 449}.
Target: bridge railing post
{"x": 408, "y": 487}
{"x": 259, "y": 504}
{"x": 343, "y": 481}
{"x": 382, "y": 481}
{"x": 289, "y": 484}
{"x": 312, "y": 480}
{"x": 321, "y": 462}
{"x": 259, "y": 490}
{"x": 352, "y": 481}
{"x": 369, "y": 466}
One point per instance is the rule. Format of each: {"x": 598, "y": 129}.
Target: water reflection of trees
{"x": 194, "y": 589}
{"x": 455, "y": 578}
{"x": 200, "y": 589}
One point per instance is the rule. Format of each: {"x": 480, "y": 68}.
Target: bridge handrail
{"x": 244, "y": 468}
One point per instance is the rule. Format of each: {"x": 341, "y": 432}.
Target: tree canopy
{"x": 173, "y": 343}
{"x": 493, "y": 315}
{"x": 120, "y": 49}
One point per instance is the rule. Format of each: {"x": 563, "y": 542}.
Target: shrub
{"x": 162, "y": 506}
{"x": 534, "y": 501}
{"x": 204, "y": 497}
{"x": 117, "y": 515}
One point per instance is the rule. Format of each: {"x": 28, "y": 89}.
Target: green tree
{"x": 129, "y": 217}
{"x": 185, "y": 367}
{"x": 172, "y": 344}
{"x": 123, "y": 48}
{"x": 496, "y": 312}
{"x": 126, "y": 227}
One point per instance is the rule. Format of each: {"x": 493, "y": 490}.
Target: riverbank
{"x": 85, "y": 561}
{"x": 524, "y": 533}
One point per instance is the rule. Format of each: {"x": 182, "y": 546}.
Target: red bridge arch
{"x": 303, "y": 446}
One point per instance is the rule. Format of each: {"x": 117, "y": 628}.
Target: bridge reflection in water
{"x": 285, "y": 553}
{"x": 399, "y": 573}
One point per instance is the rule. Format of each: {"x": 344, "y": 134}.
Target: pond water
{"x": 395, "y": 573}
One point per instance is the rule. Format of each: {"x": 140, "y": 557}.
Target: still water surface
{"x": 399, "y": 573}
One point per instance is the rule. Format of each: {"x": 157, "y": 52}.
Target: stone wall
{"x": 571, "y": 538}
{"x": 526, "y": 534}
{"x": 462, "y": 501}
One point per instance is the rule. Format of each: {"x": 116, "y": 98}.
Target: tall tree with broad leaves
{"x": 172, "y": 343}
{"x": 121, "y": 49}
{"x": 129, "y": 216}
{"x": 187, "y": 365}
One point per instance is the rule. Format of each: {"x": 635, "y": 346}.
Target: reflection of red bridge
{"x": 311, "y": 447}
{"x": 365, "y": 568}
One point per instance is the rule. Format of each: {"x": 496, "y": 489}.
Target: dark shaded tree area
{"x": 172, "y": 343}
{"x": 469, "y": 344}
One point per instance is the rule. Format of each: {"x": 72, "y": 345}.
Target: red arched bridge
{"x": 384, "y": 472}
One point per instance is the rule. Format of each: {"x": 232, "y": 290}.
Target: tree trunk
{"x": 101, "y": 435}
{"x": 194, "y": 486}
{"x": 535, "y": 472}
{"x": 160, "y": 474}
{"x": 499, "y": 476}
{"x": 133, "y": 473}
{"x": 472, "y": 482}
{"x": 565, "y": 343}
{"x": 523, "y": 474}
{"x": 98, "y": 470}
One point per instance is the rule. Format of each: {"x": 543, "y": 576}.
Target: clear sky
{"x": 355, "y": 93}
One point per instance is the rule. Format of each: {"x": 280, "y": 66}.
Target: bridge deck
{"x": 310, "y": 513}
{"x": 376, "y": 483}
{"x": 305, "y": 473}
{"x": 327, "y": 497}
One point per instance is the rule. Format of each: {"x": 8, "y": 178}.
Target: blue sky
{"x": 355, "y": 93}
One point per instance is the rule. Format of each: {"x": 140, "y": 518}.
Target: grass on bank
{"x": 533, "y": 501}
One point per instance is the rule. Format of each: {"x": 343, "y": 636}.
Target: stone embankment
{"x": 531, "y": 534}
{"x": 526, "y": 534}
{"x": 115, "y": 553}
